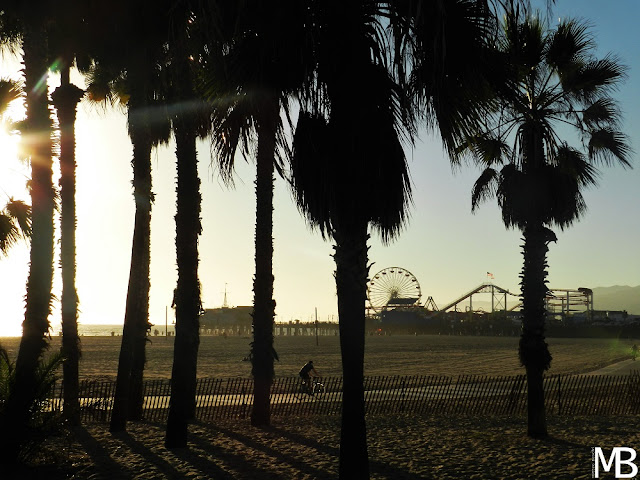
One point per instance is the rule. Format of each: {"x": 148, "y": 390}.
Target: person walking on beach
{"x": 306, "y": 373}
{"x": 634, "y": 351}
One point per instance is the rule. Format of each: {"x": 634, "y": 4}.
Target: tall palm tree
{"x": 38, "y": 128}
{"x": 188, "y": 122}
{"x": 346, "y": 146}
{"x": 65, "y": 99}
{"x": 252, "y": 69}
{"x": 553, "y": 81}
{"x": 134, "y": 80}
{"x": 66, "y": 41}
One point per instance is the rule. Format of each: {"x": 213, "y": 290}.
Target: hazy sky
{"x": 447, "y": 248}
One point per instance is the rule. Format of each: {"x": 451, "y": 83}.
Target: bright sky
{"x": 447, "y": 248}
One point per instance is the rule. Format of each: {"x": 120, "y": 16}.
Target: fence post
{"x": 244, "y": 402}
{"x": 559, "y": 396}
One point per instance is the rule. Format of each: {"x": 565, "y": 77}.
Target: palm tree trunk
{"x": 351, "y": 257}
{"x": 188, "y": 229}
{"x": 35, "y": 327}
{"x": 129, "y": 395}
{"x": 262, "y": 351}
{"x": 66, "y": 98}
{"x": 533, "y": 350}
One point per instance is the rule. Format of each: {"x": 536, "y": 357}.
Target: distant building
{"x": 610, "y": 317}
{"x": 229, "y": 321}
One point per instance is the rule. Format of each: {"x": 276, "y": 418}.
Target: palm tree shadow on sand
{"x": 377, "y": 467}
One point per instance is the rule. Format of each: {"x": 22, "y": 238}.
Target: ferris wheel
{"x": 392, "y": 288}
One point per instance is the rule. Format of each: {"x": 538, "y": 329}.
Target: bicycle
{"x": 316, "y": 391}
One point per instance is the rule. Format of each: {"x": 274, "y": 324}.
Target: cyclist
{"x": 306, "y": 373}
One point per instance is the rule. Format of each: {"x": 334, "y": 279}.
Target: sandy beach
{"x": 400, "y": 447}
{"x": 221, "y": 357}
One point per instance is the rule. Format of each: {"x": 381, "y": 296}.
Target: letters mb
{"x": 619, "y": 456}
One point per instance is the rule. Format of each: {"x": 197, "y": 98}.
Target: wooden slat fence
{"x": 466, "y": 394}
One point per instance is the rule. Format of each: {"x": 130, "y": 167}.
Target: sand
{"x": 400, "y": 447}
{"x": 394, "y": 355}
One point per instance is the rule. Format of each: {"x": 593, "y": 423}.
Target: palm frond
{"x": 106, "y": 87}
{"x": 606, "y": 146}
{"x": 10, "y": 90}
{"x": 513, "y": 194}
{"x": 310, "y": 165}
{"x": 563, "y": 201}
{"x": 485, "y": 188}
{"x": 450, "y": 92}
{"x": 9, "y": 234}
{"x": 572, "y": 163}
{"x": 490, "y": 150}
{"x": 20, "y": 212}
{"x": 233, "y": 128}
{"x": 593, "y": 79}
{"x": 568, "y": 45}
{"x": 603, "y": 112}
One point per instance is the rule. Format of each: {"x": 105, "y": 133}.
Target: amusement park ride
{"x": 396, "y": 288}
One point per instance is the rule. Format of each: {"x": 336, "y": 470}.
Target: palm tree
{"x": 346, "y": 146}
{"x": 38, "y": 128}
{"x": 444, "y": 57}
{"x": 553, "y": 80}
{"x": 65, "y": 42}
{"x": 65, "y": 99}
{"x": 129, "y": 395}
{"x": 186, "y": 113}
{"x": 252, "y": 69}
{"x": 133, "y": 79}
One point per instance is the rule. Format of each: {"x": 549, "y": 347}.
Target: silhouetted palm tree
{"x": 25, "y": 23}
{"x": 252, "y": 68}
{"x": 134, "y": 79}
{"x": 189, "y": 120}
{"x": 66, "y": 39}
{"x": 346, "y": 147}
{"x": 553, "y": 80}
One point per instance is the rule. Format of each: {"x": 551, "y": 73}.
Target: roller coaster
{"x": 397, "y": 289}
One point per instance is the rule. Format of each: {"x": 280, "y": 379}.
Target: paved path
{"x": 624, "y": 367}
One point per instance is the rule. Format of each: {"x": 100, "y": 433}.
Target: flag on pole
{"x": 490, "y": 275}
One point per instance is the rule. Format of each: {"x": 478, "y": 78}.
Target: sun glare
{"x": 13, "y": 173}
{"x": 8, "y": 146}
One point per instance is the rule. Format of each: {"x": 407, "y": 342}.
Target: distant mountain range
{"x": 617, "y": 298}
